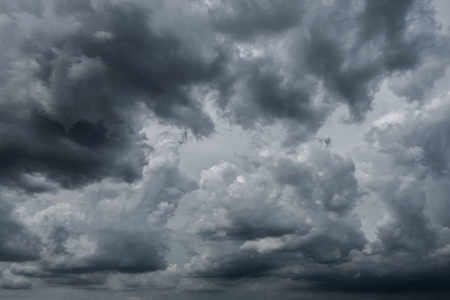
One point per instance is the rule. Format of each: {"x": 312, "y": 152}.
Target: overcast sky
{"x": 224, "y": 149}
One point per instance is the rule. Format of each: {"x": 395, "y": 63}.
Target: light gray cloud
{"x": 108, "y": 227}
{"x": 273, "y": 218}
{"x": 12, "y": 282}
{"x": 412, "y": 143}
{"x": 286, "y": 209}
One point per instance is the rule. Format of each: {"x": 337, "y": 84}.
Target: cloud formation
{"x": 16, "y": 242}
{"x": 105, "y": 106}
{"x": 285, "y": 209}
{"x": 110, "y": 227}
{"x": 335, "y": 52}
{"x": 299, "y": 216}
{"x": 74, "y": 91}
{"x": 82, "y": 77}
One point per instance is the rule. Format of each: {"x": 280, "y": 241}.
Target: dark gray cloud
{"x": 248, "y": 19}
{"x": 334, "y": 52}
{"x": 107, "y": 228}
{"x": 74, "y": 156}
{"x": 81, "y": 77}
{"x": 426, "y": 276}
{"x": 72, "y": 111}
{"x": 118, "y": 60}
{"x": 17, "y": 243}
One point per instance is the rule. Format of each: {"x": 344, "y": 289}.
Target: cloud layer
{"x": 101, "y": 102}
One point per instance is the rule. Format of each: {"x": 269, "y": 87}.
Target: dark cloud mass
{"x": 333, "y": 52}
{"x": 75, "y": 108}
{"x": 186, "y": 149}
{"x": 16, "y": 242}
{"x": 81, "y": 71}
{"x": 247, "y": 19}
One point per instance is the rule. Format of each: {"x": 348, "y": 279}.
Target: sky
{"x": 224, "y": 149}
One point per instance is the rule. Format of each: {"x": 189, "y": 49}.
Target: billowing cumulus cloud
{"x": 411, "y": 179}
{"x": 410, "y": 252}
{"x": 286, "y": 208}
{"x": 110, "y": 227}
{"x": 187, "y": 149}
{"x": 298, "y": 216}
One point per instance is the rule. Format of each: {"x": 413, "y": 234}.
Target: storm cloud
{"x": 80, "y": 86}
{"x": 194, "y": 149}
{"x": 17, "y": 243}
